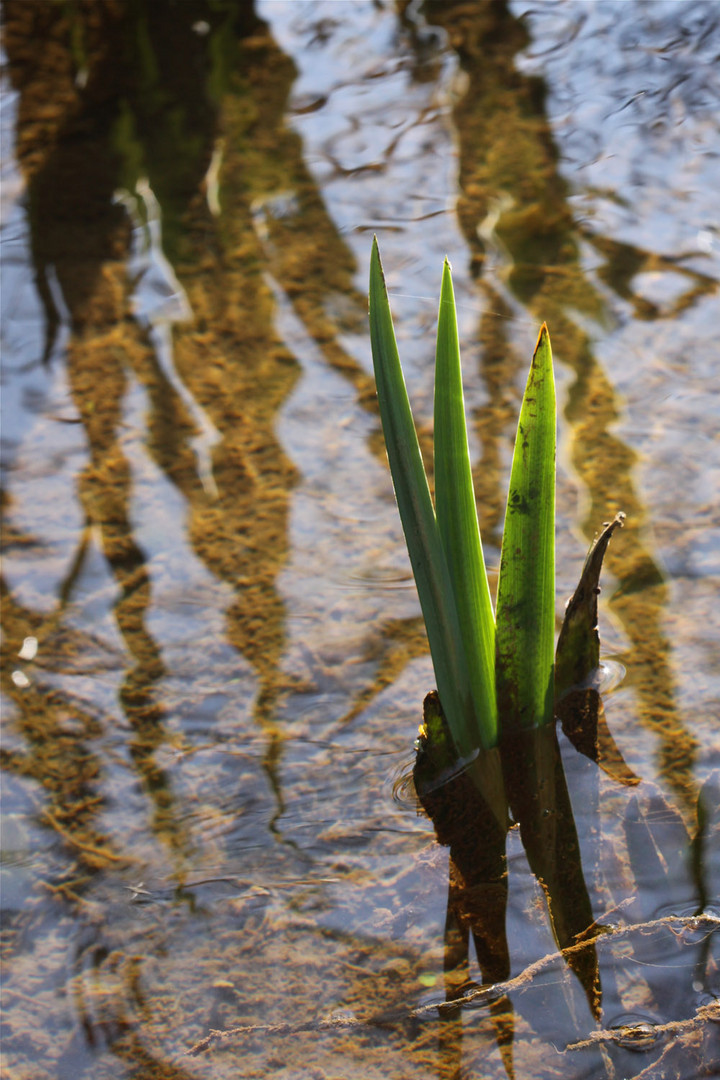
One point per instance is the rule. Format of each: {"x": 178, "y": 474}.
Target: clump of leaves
{"x": 492, "y": 670}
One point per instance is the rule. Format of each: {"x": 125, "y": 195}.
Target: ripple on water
{"x": 609, "y": 676}
{"x": 379, "y": 577}
{"x": 403, "y": 787}
{"x": 635, "y": 1031}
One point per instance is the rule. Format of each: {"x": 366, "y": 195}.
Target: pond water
{"x": 213, "y": 656}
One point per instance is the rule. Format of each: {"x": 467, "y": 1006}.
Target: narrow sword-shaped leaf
{"x": 419, "y": 524}
{"x": 457, "y": 517}
{"x": 525, "y": 627}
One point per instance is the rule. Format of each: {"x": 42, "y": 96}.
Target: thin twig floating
{"x": 703, "y": 1014}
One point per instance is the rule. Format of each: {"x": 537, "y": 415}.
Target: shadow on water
{"x": 677, "y": 938}
{"x": 465, "y": 820}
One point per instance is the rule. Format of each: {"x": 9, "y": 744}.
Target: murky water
{"x": 213, "y": 657}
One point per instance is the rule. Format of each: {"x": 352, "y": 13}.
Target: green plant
{"x": 490, "y": 673}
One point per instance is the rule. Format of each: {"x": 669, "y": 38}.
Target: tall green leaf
{"x": 457, "y": 517}
{"x": 525, "y": 629}
{"x": 417, "y": 515}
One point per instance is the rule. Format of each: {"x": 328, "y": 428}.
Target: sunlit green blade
{"x": 457, "y": 518}
{"x": 418, "y": 519}
{"x": 525, "y": 627}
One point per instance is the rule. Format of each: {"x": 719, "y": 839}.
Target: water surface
{"x": 213, "y": 656}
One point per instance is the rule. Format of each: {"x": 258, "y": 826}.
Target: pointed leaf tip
{"x": 542, "y": 338}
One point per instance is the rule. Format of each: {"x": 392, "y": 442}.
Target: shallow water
{"x": 213, "y": 657}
